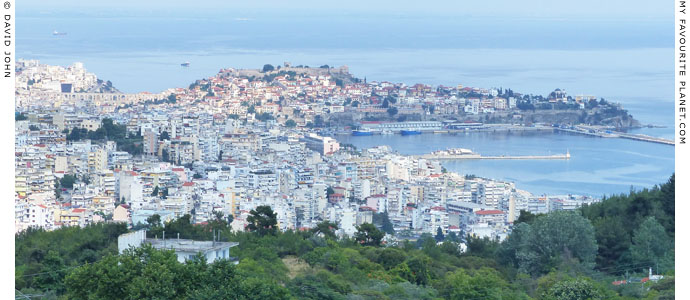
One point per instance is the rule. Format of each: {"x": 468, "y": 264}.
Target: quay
{"x": 646, "y": 138}
{"x": 434, "y": 156}
{"x": 377, "y": 128}
{"x": 556, "y": 156}
{"x": 616, "y": 134}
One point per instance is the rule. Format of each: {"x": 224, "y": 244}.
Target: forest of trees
{"x": 561, "y": 255}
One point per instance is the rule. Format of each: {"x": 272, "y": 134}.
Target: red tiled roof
{"x": 188, "y": 183}
{"x": 366, "y": 208}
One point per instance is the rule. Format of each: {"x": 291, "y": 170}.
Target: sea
{"x": 626, "y": 61}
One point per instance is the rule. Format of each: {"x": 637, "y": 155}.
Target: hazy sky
{"x": 616, "y": 9}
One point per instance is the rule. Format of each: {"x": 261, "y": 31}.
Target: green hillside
{"x": 562, "y": 255}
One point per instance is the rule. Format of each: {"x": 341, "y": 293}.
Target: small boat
{"x": 185, "y": 64}
{"x": 363, "y": 132}
{"x": 410, "y": 132}
{"x": 55, "y": 32}
{"x": 386, "y": 132}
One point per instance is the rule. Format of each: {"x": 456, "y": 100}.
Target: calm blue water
{"x": 622, "y": 60}
{"x": 141, "y": 50}
{"x": 598, "y": 166}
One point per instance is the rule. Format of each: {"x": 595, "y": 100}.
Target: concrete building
{"x": 322, "y": 145}
{"x": 184, "y": 249}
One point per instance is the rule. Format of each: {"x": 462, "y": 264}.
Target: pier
{"x": 433, "y": 156}
{"x": 616, "y": 134}
{"x": 646, "y": 138}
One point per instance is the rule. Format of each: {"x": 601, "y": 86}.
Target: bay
{"x": 598, "y": 166}
{"x": 621, "y": 60}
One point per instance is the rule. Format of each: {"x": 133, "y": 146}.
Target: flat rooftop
{"x": 189, "y": 245}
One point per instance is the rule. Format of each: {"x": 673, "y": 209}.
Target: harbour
{"x": 459, "y": 153}
{"x": 414, "y": 128}
{"x": 598, "y": 132}
{"x": 596, "y": 167}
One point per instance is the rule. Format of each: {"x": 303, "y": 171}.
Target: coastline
{"x": 598, "y": 166}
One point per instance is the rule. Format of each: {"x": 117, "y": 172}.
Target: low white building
{"x": 184, "y": 249}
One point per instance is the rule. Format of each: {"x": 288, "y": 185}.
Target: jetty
{"x": 646, "y": 138}
{"x": 457, "y": 154}
{"x": 617, "y": 134}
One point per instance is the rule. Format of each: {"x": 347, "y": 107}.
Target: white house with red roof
{"x": 490, "y": 217}
{"x": 39, "y": 215}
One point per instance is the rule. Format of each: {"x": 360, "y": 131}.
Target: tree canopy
{"x": 546, "y": 256}
{"x": 538, "y": 247}
{"x": 262, "y": 220}
{"x": 109, "y": 131}
{"x": 147, "y": 273}
{"x": 267, "y": 68}
{"x": 367, "y": 234}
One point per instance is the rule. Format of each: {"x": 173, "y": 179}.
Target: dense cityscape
{"x": 231, "y": 143}
{"x": 238, "y": 187}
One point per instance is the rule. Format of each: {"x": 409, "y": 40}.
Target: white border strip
{"x": 7, "y": 90}
{"x": 681, "y": 95}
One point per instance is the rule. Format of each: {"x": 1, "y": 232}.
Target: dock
{"x": 432, "y": 156}
{"x": 646, "y": 138}
{"x": 556, "y": 156}
{"x": 617, "y": 134}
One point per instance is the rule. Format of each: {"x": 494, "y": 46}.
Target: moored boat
{"x": 363, "y": 132}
